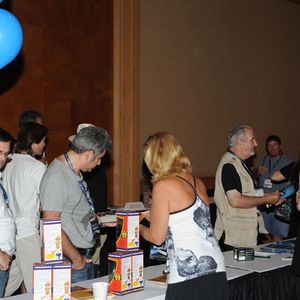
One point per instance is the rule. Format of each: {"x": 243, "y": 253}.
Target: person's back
{"x": 192, "y": 248}
{"x": 21, "y": 178}
{"x": 180, "y": 216}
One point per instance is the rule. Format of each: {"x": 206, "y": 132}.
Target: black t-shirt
{"x": 230, "y": 178}
{"x": 287, "y": 170}
{"x": 291, "y": 172}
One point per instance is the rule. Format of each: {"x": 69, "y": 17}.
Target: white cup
{"x": 100, "y": 290}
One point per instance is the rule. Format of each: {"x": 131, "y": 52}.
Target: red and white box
{"x": 127, "y": 231}
{"x": 125, "y": 272}
{"x": 119, "y": 272}
{"x": 51, "y": 240}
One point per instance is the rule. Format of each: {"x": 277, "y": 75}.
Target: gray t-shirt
{"x": 60, "y": 192}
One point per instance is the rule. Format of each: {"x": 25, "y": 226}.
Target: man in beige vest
{"x": 235, "y": 194}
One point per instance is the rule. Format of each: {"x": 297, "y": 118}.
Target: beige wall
{"x": 209, "y": 65}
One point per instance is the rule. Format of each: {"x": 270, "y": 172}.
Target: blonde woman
{"x": 180, "y": 216}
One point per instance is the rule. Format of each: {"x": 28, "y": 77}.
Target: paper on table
{"x": 263, "y": 254}
{"x": 81, "y": 293}
{"x": 134, "y": 206}
{"x": 160, "y": 280}
{"x": 106, "y": 219}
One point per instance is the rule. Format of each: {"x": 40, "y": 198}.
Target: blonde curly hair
{"x": 164, "y": 156}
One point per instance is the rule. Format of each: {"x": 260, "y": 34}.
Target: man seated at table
{"x": 235, "y": 194}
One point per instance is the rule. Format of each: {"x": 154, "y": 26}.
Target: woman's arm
{"x": 298, "y": 199}
{"x": 159, "y": 214}
{"x": 283, "y": 173}
{"x": 201, "y": 189}
{"x": 277, "y": 176}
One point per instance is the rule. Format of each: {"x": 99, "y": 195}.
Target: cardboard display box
{"x": 51, "y": 240}
{"x": 125, "y": 272}
{"x": 127, "y": 231}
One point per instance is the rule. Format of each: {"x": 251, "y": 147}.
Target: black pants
{"x": 209, "y": 287}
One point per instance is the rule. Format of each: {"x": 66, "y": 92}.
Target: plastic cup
{"x": 100, "y": 290}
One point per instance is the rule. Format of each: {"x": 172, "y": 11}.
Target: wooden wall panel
{"x": 207, "y": 66}
{"x": 65, "y": 70}
{"x": 126, "y": 101}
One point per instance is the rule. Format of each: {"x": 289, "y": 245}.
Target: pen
{"x": 260, "y": 256}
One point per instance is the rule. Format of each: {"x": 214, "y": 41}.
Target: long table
{"x": 247, "y": 280}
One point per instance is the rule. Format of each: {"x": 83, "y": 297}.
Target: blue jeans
{"x": 274, "y": 226}
{"x": 87, "y": 272}
{"x": 3, "y": 281}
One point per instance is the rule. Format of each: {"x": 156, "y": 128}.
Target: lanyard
{"x": 277, "y": 161}
{"x": 82, "y": 184}
{"x": 5, "y": 196}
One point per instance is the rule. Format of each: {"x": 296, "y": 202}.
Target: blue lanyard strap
{"x": 82, "y": 184}
{"x": 5, "y": 196}
{"x": 275, "y": 164}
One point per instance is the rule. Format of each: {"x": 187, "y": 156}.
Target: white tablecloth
{"x": 234, "y": 269}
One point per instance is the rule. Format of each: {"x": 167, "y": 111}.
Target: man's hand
{"x": 262, "y": 170}
{"x": 79, "y": 263}
{"x": 145, "y": 215}
{"x": 4, "y": 261}
{"x": 273, "y": 198}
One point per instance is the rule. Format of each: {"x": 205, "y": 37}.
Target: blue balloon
{"x": 11, "y": 37}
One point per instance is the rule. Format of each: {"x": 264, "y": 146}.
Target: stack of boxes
{"x": 52, "y": 276}
{"x": 126, "y": 265}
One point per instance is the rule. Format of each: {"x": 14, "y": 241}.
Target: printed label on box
{"x": 61, "y": 281}
{"x": 138, "y": 270}
{"x": 42, "y": 282}
{"x": 119, "y": 266}
{"x": 126, "y": 271}
{"x": 127, "y": 231}
{"x": 52, "y": 240}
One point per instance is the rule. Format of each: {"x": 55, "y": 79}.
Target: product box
{"x": 125, "y": 272}
{"x": 137, "y": 262}
{"x": 61, "y": 281}
{"x": 127, "y": 231}
{"x": 42, "y": 282}
{"x": 119, "y": 272}
{"x": 243, "y": 254}
{"x": 51, "y": 240}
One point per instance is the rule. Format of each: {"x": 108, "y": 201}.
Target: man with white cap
{"x": 65, "y": 196}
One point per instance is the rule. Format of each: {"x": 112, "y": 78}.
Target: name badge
{"x": 95, "y": 226}
{"x": 267, "y": 183}
{"x": 259, "y": 192}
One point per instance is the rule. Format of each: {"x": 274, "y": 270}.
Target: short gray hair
{"x": 91, "y": 139}
{"x": 237, "y": 132}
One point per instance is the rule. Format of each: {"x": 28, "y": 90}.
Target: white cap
{"x": 80, "y": 126}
